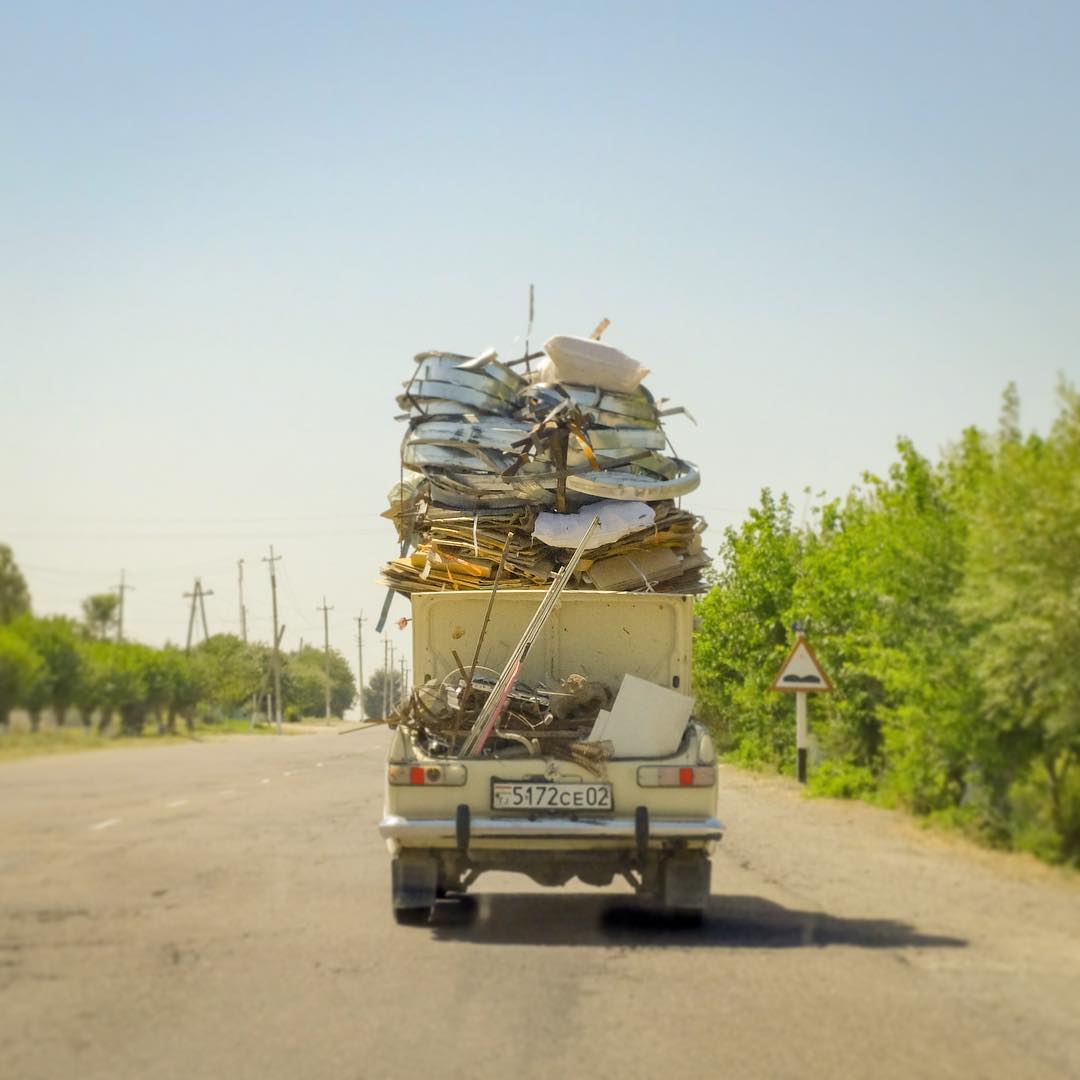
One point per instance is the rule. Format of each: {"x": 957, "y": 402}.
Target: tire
{"x": 411, "y": 916}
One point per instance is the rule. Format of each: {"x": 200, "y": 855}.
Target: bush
{"x": 842, "y": 780}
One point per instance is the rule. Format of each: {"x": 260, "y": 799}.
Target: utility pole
{"x": 120, "y": 590}
{"x": 390, "y": 679}
{"x": 203, "y": 593}
{"x": 385, "y": 682}
{"x": 277, "y": 639}
{"x": 243, "y": 609}
{"x": 360, "y": 620}
{"x": 191, "y": 616}
{"x": 196, "y": 597}
{"x": 326, "y": 650}
{"x": 404, "y": 668}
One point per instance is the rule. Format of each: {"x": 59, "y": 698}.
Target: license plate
{"x": 526, "y": 795}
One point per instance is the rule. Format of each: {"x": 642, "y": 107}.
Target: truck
{"x": 645, "y": 810}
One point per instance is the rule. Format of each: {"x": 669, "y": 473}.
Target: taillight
{"x": 426, "y": 775}
{"x": 676, "y": 775}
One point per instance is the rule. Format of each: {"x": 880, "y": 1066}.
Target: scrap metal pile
{"x": 533, "y": 722}
{"x": 508, "y": 467}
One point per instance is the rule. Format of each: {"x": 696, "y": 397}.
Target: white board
{"x": 646, "y": 720}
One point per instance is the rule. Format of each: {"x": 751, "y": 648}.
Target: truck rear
{"x": 597, "y": 771}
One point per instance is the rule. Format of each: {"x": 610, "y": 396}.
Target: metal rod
{"x": 487, "y": 617}
{"x": 493, "y": 707}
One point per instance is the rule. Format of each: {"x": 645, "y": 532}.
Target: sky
{"x": 225, "y": 229}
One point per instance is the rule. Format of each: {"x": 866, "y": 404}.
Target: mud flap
{"x": 684, "y": 884}
{"x": 414, "y": 879}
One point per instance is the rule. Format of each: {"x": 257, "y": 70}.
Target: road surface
{"x": 221, "y": 909}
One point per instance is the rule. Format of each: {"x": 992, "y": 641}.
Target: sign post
{"x": 801, "y": 674}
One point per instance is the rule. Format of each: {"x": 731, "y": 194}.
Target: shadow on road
{"x": 731, "y": 922}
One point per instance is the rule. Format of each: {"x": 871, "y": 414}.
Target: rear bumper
{"x": 439, "y": 830}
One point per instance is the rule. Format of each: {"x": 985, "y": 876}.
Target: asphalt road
{"x": 221, "y": 909}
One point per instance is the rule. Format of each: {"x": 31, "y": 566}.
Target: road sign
{"x": 802, "y": 672}
{"x": 800, "y": 675}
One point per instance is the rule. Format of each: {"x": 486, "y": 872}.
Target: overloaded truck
{"x": 551, "y": 568}
{"x": 593, "y": 767}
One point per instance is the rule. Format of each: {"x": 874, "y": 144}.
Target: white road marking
{"x": 229, "y": 791}
{"x": 318, "y": 764}
{"x": 175, "y": 803}
{"x": 108, "y": 823}
{"x": 290, "y": 772}
{"x": 265, "y": 780}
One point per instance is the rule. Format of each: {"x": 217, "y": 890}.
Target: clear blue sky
{"x": 226, "y": 229}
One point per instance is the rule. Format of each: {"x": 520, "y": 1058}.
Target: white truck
{"x": 647, "y": 817}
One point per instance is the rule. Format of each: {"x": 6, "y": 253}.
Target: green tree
{"x": 117, "y": 684}
{"x": 100, "y": 613}
{"x": 229, "y": 672}
{"x": 373, "y": 693}
{"x": 943, "y": 600}
{"x": 14, "y": 594}
{"x": 56, "y": 641}
{"x": 343, "y": 691}
{"x": 1022, "y": 594}
{"x": 744, "y": 633}
{"x": 878, "y": 582}
{"x": 304, "y": 682}
{"x": 185, "y": 688}
{"x": 21, "y": 672}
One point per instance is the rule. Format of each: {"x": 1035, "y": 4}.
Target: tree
{"x": 1023, "y": 597}
{"x": 100, "y": 613}
{"x": 183, "y": 692}
{"x": 21, "y": 671}
{"x": 14, "y": 595}
{"x": 304, "y": 682}
{"x": 117, "y": 684}
{"x": 744, "y": 634}
{"x": 878, "y": 582}
{"x": 373, "y": 693}
{"x": 229, "y": 671}
{"x": 56, "y": 641}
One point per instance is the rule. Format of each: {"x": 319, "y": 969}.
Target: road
{"x": 221, "y": 909}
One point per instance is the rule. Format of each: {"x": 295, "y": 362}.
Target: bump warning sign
{"x": 802, "y": 671}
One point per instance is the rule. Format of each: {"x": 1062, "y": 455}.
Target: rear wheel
{"x": 411, "y": 916}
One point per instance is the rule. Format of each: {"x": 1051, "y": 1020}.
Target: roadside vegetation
{"x": 79, "y": 686}
{"x": 944, "y": 601}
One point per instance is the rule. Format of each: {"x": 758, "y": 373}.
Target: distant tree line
{"x": 59, "y": 666}
{"x": 944, "y": 601}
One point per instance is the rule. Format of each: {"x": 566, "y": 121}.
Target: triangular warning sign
{"x": 802, "y": 672}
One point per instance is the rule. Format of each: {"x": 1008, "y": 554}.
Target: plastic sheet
{"x": 617, "y": 519}
{"x": 591, "y": 363}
